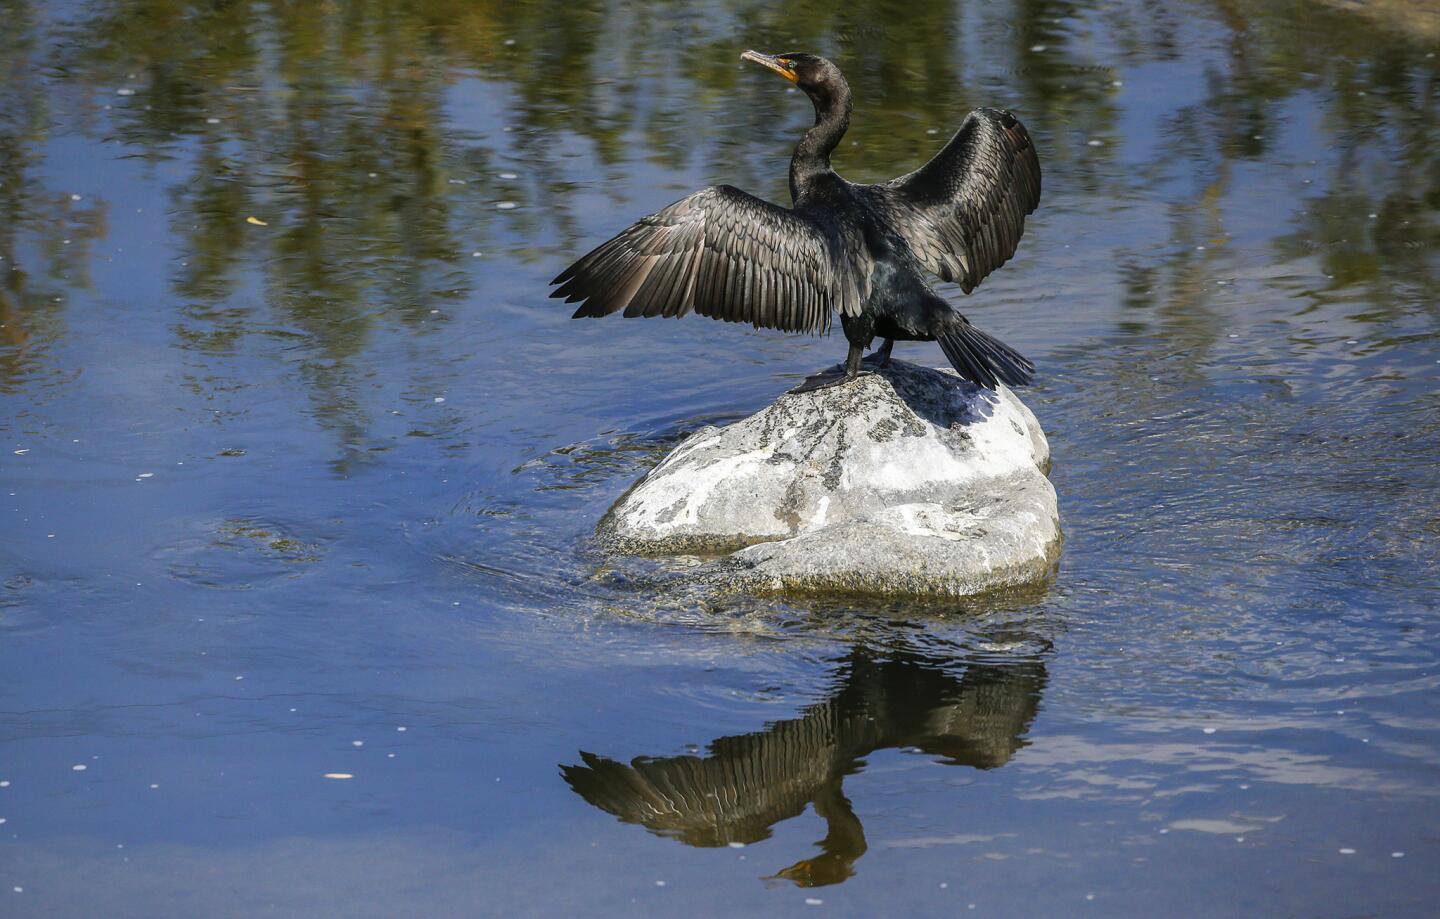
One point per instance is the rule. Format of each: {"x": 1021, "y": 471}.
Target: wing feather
{"x": 724, "y": 254}
{"x": 963, "y": 212}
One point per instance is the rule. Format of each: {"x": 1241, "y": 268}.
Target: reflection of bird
{"x": 747, "y": 783}
{"x": 860, "y": 250}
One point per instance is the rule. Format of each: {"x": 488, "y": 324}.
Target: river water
{"x": 300, "y": 471}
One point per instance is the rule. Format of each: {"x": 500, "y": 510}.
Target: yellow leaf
{"x": 257, "y": 221}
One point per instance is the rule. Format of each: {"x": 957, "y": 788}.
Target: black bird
{"x": 860, "y": 250}
{"x": 743, "y": 784}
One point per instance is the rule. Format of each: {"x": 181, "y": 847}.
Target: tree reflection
{"x": 976, "y": 716}
{"x": 45, "y": 235}
{"x": 369, "y": 136}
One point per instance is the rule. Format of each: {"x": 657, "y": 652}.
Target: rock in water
{"x": 905, "y": 481}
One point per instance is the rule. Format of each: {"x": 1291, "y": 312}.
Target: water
{"x": 312, "y": 493}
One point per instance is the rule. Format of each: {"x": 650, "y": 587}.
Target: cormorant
{"x": 860, "y": 250}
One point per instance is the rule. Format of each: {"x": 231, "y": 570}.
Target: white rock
{"x": 905, "y": 481}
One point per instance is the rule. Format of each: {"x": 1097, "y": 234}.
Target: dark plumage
{"x": 743, "y": 784}
{"x": 862, "y": 251}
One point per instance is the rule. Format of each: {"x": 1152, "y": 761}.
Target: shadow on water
{"x": 972, "y": 714}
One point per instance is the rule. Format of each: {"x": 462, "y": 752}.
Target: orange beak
{"x": 772, "y": 63}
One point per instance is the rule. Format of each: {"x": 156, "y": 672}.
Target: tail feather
{"x": 983, "y": 359}
{"x": 965, "y": 361}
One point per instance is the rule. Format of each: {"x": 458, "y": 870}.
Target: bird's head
{"x": 821, "y": 80}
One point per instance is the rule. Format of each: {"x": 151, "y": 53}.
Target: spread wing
{"x": 964, "y": 211}
{"x": 724, "y": 254}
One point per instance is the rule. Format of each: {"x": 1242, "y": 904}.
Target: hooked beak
{"x": 771, "y": 63}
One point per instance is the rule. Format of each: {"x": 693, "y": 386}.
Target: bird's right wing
{"x": 964, "y": 211}
{"x": 724, "y": 254}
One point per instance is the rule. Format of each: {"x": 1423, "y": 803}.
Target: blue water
{"x": 314, "y": 493}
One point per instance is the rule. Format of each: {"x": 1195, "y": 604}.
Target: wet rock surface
{"x": 907, "y": 481}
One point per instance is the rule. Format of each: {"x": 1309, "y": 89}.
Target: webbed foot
{"x": 825, "y": 379}
{"x": 843, "y": 373}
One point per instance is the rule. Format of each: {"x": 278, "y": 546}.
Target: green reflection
{"x": 745, "y": 784}
{"x": 45, "y": 234}
{"x": 370, "y": 138}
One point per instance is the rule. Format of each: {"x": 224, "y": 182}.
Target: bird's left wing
{"x": 724, "y": 254}
{"x": 964, "y": 211}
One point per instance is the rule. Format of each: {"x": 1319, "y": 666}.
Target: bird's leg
{"x": 881, "y": 356}
{"x": 834, "y": 377}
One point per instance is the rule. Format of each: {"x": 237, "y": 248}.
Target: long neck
{"x": 812, "y": 154}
